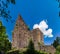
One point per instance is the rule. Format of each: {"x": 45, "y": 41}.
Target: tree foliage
{"x": 31, "y": 49}
{"x": 31, "y": 45}
{"x": 4, "y": 12}
{"x": 56, "y": 42}
{"x": 58, "y": 50}
{"x": 5, "y": 44}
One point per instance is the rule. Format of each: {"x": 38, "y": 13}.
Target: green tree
{"x": 58, "y": 50}
{"x": 31, "y": 49}
{"x": 31, "y": 45}
{"x": 56, "y": 42}
{"x": 5, "y": 44}
{"x": 4, "y": 12}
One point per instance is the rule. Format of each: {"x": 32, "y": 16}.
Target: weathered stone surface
{"x": 37, "y": 37}
{"x": 48, "y": 49}
{"x": 21, "y": 36}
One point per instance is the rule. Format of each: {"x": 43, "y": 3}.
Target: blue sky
{"x": 32, "y": 12}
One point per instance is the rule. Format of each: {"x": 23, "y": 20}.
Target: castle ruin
{"x": 21, "y": 36}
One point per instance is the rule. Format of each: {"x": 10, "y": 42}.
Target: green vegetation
{"x": 14, "y": 51}
{"x": 56, "y": 42}
{"x": 5, "y": 44}
{"x": 58, "y": 50}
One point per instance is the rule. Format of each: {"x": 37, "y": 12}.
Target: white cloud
{"x": 44, "y": 28}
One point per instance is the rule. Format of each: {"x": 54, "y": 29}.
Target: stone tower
{"x": 37, "y": 38}
{"x": 21, "y": 35}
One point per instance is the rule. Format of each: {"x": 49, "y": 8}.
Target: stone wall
{"x": 21, "y": 36}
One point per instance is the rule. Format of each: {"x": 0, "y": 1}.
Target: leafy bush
{"x": 58, "y": 50}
